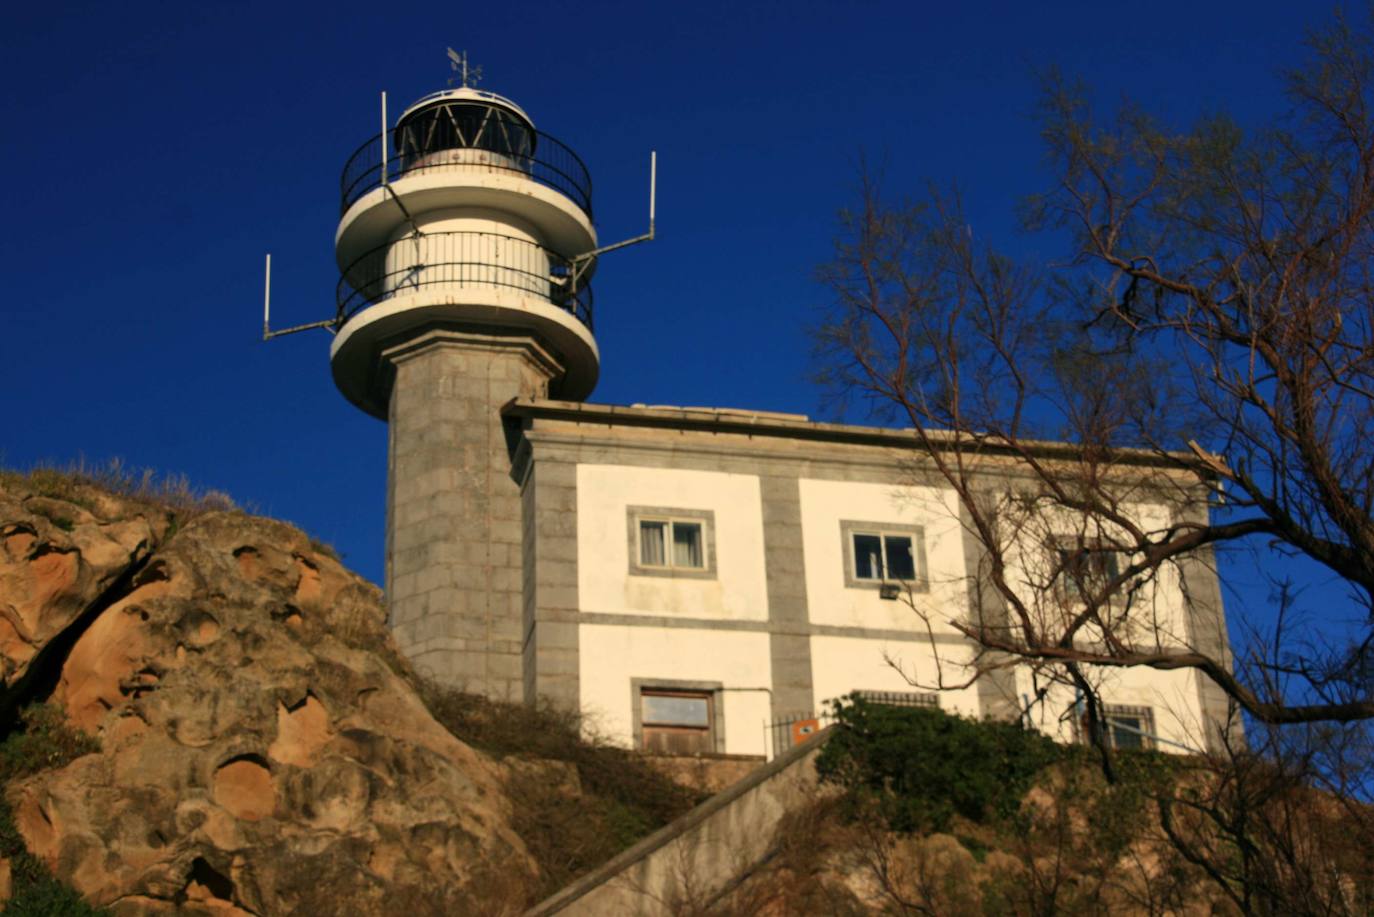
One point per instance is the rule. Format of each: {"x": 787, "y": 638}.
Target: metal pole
{"x": 384, "y": 137}
{"x": 653, "y": 188}
{"x": 267, "y": 298}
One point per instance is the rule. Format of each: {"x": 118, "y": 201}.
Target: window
{"x": 1126, "y": 727}
{"x": 677, "y": 722}
{"x": 899, "y": 698}
{"x": 878, "y": 553}
{"x": 1130, "y": 727}
{"x": 1084, "y": 563}
{"x": 671, "y": 542}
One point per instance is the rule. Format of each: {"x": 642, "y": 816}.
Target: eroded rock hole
{"x": 243, "y": 787}
{"x": 248, "y": 558}
{"x": 302, "y": 732}
{"x": 200, "y": 628}
{"x": 289, "y": 615}
{"x": 19, "y": 539}
{"x": 207, "y": 882}
{"x": 142, "y": 682}
{"x": 308, "y": 586}
{"x": 155, "y": 572}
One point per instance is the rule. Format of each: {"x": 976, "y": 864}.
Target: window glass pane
{"x": 868, "y": 551}
{"x": 687, "y": 544}
{"x": 900, "y": 564}
{"x": 1126, "y": 738}
{"x": 651, "y": 553}
{"x": 1070, "y": 569}
{"x": 676, "y": 709}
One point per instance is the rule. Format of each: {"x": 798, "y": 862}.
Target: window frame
{"x": 704, "y": 518}
{"x": 1111, "y": 712}
{"x": 1144, "y": 713}
{"x": 925, "y": 700}
{"x": 711, "y": 690}
{"x": 850, "y": 528}
{"x": 1090, "y": 549}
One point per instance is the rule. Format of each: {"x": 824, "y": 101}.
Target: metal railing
{"x": 519, "y": 149}
{"x": 462, "y": 259}
{"x": 781, "y": 735}
{"x": 785, "y": 731}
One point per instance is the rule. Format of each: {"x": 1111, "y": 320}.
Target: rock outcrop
{"x": 261, "y": 752}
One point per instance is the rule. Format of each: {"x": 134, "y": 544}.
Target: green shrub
{"x": 921, "y": 766}
{"x": 43, "y": 741}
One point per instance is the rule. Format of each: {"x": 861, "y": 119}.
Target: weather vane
{"x": 459, "y": 63}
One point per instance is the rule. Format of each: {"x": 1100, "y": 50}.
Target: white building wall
{"x": 1171, "y": 696}
{"x": 605, "y": 493}
{"x": 612, "y": 655}
{"x": 841, "y": 665}
{"x": 826, "y": 504}
{"x": 1156, "y": 617}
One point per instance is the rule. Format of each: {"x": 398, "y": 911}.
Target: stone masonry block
{"x": 556, "y": 662}
{"x": 556, "y": 597}
{"x": 560, "y": 690}
{"x": 508, "y": 531}
{"x": 505, "y": 666}
{"x": 558, "y": 635}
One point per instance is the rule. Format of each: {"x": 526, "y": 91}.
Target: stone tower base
{"x": 453, "y": 554}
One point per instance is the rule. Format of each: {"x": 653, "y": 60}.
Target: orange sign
{"x": 803, "y": 730}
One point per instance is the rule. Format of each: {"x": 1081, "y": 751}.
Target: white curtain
{"x": 651, "y": 547}
{"x": 687, "y": 544}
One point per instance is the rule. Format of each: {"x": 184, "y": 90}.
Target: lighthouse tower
{"x": 462, "y": 288}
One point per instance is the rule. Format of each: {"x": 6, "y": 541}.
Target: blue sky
{"x": 153, "y": 152}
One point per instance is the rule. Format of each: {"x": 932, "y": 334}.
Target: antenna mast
{"x": 267, "y": 332}
{"x": 580, "y": 262}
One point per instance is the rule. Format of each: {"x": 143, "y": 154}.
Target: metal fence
{"x": 462, "y": 259}
{"x": 531, "y": 153}
{"x": 793, "y": 729}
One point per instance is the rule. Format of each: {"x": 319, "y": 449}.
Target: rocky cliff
{"x": 260, "y": 751}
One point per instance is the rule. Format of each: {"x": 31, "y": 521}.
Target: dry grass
{"x": 577, "y": 800}
{"x": 74, "y": 481}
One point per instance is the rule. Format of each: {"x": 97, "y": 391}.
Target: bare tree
{"x": 1208, "y": 343}
{"x": 1205, "y": 346}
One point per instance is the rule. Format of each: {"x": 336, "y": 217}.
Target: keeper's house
{"x": 693, "y": 574}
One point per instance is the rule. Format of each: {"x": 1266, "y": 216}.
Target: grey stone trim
{"x": 602, "y": 435}
{"x": 997, "y": 682}
{"x": 729, "y": 454}
{"x": 786, "y": 628}
{"x": 567, "y": 443}
{"x": 478, "y": 337}
{"x": 785, "y": 570}
{"x": 849, "y": 528}
{"x": 707, "y": 518}
{"x": 1207, "y": 634}
{"x": 637, "y": 685}
{"x": 551, "y": 641}
{"x": 767, "y": 425}
{"x": 528, "y": 531}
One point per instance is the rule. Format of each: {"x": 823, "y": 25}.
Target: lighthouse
{"x": 466, "y": 248}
